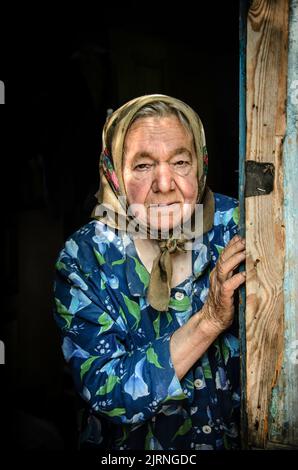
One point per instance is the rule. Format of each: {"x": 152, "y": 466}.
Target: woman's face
{"x": 160, "y": 171}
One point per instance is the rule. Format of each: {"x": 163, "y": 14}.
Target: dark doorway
{"x": 60, "y": 81}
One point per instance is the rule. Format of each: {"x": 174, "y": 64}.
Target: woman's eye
{"x": 143, "y": 166}
{"x": 181, "y": 163}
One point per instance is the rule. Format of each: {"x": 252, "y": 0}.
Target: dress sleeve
{"x": 124, "y": 383}
{"x": 228, "y": 341}
{"x": 231, "y": 222}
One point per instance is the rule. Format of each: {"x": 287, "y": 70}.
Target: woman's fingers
{"x": 232, "y": 255}
{"x": 223, "y": 283}
{"x": 225, "y": 267}
{"x": 220, "y": 303}
{"x": 230, "y": 285}
{"x": 235, "y": 245}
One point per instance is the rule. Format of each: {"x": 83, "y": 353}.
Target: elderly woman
{"x": 146, "y": 317}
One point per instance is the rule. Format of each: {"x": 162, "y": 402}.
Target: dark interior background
{"x": 60, "y": 78}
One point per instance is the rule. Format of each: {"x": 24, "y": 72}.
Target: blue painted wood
{"x": 283, "y": 424}
{"x": 242, "y": 156}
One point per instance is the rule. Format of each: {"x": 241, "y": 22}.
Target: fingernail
{"x": 243, "y": 273}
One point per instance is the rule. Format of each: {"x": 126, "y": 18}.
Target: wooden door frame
{"x": 267, "y": 134}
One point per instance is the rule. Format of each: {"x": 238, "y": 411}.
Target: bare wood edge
{"x": 258, "y": 415}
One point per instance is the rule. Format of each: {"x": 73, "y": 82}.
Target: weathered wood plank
{"x": 283, "y": 424}
{"x": 267, "y": 38}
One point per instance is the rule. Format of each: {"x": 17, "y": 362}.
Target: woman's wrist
{"x": 208, "y": 324}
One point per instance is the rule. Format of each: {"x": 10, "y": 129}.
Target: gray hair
{"x": 161, "y": 109}
{"x": 156, "y": 109}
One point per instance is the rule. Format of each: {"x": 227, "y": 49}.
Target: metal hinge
{"x": 259, "y": 178}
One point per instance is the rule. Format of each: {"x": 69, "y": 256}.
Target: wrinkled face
{"x": 159, "y": 171}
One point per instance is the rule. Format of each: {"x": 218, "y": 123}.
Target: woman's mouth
{"x": 163, "y": 204}
{"x": 164, "y": 208}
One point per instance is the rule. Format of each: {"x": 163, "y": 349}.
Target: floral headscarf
{"x": 112, "y": 190}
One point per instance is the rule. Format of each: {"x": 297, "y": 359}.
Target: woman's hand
{"x": 219, "y": 307}
{"x": 192, "y": 339}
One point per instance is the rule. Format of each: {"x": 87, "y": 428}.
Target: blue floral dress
{"x": 117, "y": 345}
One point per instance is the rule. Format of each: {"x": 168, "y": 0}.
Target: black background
{"x": 62, "y": 71}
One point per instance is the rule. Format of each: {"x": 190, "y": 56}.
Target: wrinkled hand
{"x": 219, "y": 306}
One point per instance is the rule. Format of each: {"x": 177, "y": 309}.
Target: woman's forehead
{"x": 153, "y": 139}
{"x": 158, "y": 122}
{"x": 151, "y": 130}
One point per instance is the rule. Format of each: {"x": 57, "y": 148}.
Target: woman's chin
{"x": 164, "y": 221}
{"x": 165, "y": 226}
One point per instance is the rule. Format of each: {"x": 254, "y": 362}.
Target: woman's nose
{"x": 163, "y": 180}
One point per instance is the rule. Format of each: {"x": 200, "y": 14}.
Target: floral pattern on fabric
{"x": 117, "y": 345}
{"x": 109, "y": 171}
{"x": 205, "y": 160}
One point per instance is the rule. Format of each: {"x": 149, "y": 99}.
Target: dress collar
{"x": 138, "y": 276}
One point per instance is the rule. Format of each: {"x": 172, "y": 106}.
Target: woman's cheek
{"x": 135, "y": 191}
{"x": 190, "y": 190}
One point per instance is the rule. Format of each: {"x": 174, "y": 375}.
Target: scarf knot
{"x": 112, "y": 186}
{"x": 171, "y": 245}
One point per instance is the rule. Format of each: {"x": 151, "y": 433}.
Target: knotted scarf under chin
{"x": 161, "y": 275}
{"x": 159, "y": 288}
{"x": 112, "y": 186}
